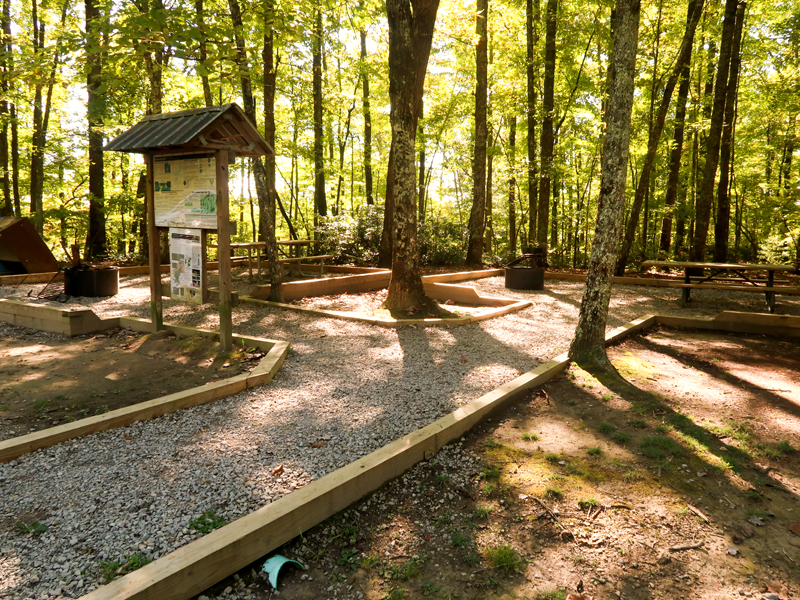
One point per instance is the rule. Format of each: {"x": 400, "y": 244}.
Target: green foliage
{"x": 111, "y": 569}
{"x": 207, "y": 522}
{"x": 34, "y": 528}
{"x": 659, "y": 447}
{"x": 530, "y": 437}
{"x": 504, "y": 557}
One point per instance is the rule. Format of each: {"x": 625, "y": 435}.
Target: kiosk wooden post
{"x": 223, "y": 252}
{"x": 154, "y": 249}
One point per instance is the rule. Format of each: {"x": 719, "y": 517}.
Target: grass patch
{"x": 34, "y": 528}
{"x": 110, "y": 569}
{"x": 607, "y": 428}
{"x": 638, "y": 423}
{"x": 552, "y": 457}
{"x": 551, "y": 595}
{"x": 481, "y": 512}
{"x": 207, "y": 522}
{"x": 491, "y": 473}
{"x": 504, "y": 558}
{"x": 554, "y": 492}
{"x": 594, "y": 451}
{"x": 659, "y": 447}
{"x": 459, "y": 539}
{"x": 785, "y": 447}
{"x": 530, "y": 437}
{"x": 621, "y": 437}
{"x": 587, "y": 503}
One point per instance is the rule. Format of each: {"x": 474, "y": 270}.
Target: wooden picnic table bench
{"x": 730, "y": 276}
{"x": 258, "y": 246}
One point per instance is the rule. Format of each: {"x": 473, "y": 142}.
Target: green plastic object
{"x": 273, "y": 566}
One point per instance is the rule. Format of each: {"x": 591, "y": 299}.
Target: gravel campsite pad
{"x": 681, "y": 483}
{"x": 107, "y": 503}
{"x": 47, "y": 379}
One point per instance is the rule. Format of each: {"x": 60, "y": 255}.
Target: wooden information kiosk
{"x": 181, "y": 196}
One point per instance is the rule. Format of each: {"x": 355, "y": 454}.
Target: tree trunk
{"x": 512, "y": 186}
{"x": 411, "y": 25}
{"x": 266, "y": 208}
{"x": 677, "y": 149}
{"x": 478, "y": 213}
{"x": 320, "y": 202}
{"x": 37, "y": 139}
{"x": 684, "y": 56}
{"x": 588, "y": 347}
{"x": 367, "y": 118}
{"x": 96, "y": 243}
{"x": 421, "y": 192}
{"x": 532, "y": 14}
{"x": 7, "y": 207}
{"x": 488, "y": 232}
{"x": 722, "y": 225}
{"x": 546, "y": 143}
{"x": 703, "y": 214}
{"x": 203, "y": 53}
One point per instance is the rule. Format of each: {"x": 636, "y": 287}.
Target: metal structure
{"x": 224, "y": 131}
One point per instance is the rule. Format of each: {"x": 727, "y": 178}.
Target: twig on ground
{"x": 699, "y": 513}
{"x": 680, "y": 548}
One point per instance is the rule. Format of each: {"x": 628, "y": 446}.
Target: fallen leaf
{"x": 127, "y": 437}
{"x": 278, "y": 470}
{"x": 317, "y": 444}
{"x": 795, "y": 528}
{"x": 463, "y": 358}
{"x": 757, "y": 521}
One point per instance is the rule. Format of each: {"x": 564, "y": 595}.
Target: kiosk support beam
{"x": 156, "y": 311}
{"x": 224, "y": 252}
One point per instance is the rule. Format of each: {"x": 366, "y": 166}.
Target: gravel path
{"x": 352, "y": 387}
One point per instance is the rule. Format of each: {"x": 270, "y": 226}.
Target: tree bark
{"x": 512, "y": 187}
{"x": 37, "y": 139}
{"x": 532, "y": 17}
{"x": 478, "y": 213}
{"x": 722, "y": 225}
{"x": 546, "y": 143}
{"x": 367, "y": 118}
{"x": 411, "y": 25}
{"x": 488, "y": 231}
{"x": 421, "y": 191}
{"x": 203, "y": 52}
{"x": 684, "y": 56}
{"x": 96, "y": 243}
{"x": 320, "y": 202}
{"x": 703, "y": 213}
{"x": 588, "y": 346}
{"x": 677, "y": 149}
{"x": 7, "y": 207}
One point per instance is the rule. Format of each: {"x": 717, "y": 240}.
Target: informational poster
{"x": 186, "y": 273}
{"x": 185, "y": 192}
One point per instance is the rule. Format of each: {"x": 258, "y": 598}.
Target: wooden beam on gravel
{"x": 210, "y": 392}
{"x": 197, "y": 566}
{"x": 738, "y": 322}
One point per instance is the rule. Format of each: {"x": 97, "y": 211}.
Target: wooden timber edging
{"x": 210, "y": 392}
{"x": 200, "y": 564}
{"x": 738, "y": 322}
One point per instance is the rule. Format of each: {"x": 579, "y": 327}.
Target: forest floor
{"x": 682, "y": 480}
{"x": 48, "y": 380}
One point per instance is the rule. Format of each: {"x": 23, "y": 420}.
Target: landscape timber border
{"x": 377, "y": 279}
{"x": 193, "y": 568}
{"x": 263, "y": 373}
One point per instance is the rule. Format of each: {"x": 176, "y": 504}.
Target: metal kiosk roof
{"x": 224, "y": 131}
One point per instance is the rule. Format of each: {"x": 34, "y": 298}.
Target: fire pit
{"x": 86, "y": 280}
{"x": 526, "y": 272}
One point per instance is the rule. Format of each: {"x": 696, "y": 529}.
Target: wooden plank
{"x": 269, "y": 365}
{"x": 197, "y": 566}
{"x": 224, "y": 253}
{"x": 462, "y": 294}
{"x": 154, "y": 250}
{"x": 15, "y": 447}
{"x": 705, "y": 265}
{"x": 463, "y": 276}
{"x": 295, "y": 290}
{"x": 778, "y": 289}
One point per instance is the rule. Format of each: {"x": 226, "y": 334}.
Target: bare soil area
{"x": 682, "y": 480}
{"x": 47, "y": 379}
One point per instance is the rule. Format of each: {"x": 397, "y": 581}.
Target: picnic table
{"x": 729, "y": 276}
{"x": 292, "y": 256}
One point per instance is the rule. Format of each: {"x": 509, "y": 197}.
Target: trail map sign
{"x": 186, "y": 271}
{"x": 185, "y": 192}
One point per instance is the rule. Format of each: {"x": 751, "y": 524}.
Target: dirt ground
{"x": 48, "y": 379}
{"x": 680, "y": 481}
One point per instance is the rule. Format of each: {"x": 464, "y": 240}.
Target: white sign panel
{"x": 185, "y": 192}
{"x": 186, "y": 270}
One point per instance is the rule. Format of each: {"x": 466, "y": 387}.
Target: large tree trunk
{"x": 588, "y": 347}
{"x": 722, "y": 225}
{"x": 367, "y": 118}
{"x": 37, "y": 137}
{"x": 704, "y": 200}
{"x": 477, "y": 214}
{"x": 421, "y": 174}
{"x": 546, "y": 144}
{"x": 410, "y": 36}
{"x": 96, "y": 243}
{"x": 203, "y": 52}
{"x": 532, "y": 17}
{"x": 7, "y": 207}
{"x": 488, "y": 231}
{"x": 320, "y": 202}
{"x": 512, "y": 186}
{"x": 677, "y": 149}
{"x": 684, "y": 56}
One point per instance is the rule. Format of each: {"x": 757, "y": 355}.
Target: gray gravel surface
{"x": 350, "y": 386}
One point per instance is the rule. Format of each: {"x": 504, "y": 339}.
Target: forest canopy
{"x": 76, "y": 75}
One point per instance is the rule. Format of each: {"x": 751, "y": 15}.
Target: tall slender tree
{"x": 547, "y": 138}
{"x": 367, "y": 115}
{"x": 588, "y": 346}
{"x": 411, "y": 25}
{"x": 512, "y": 186}
{"x": 95, "y": 111}
{"x": 320, "y": 202}
{"x": 532, "y": 17}
{"x": 477, "y": 221}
